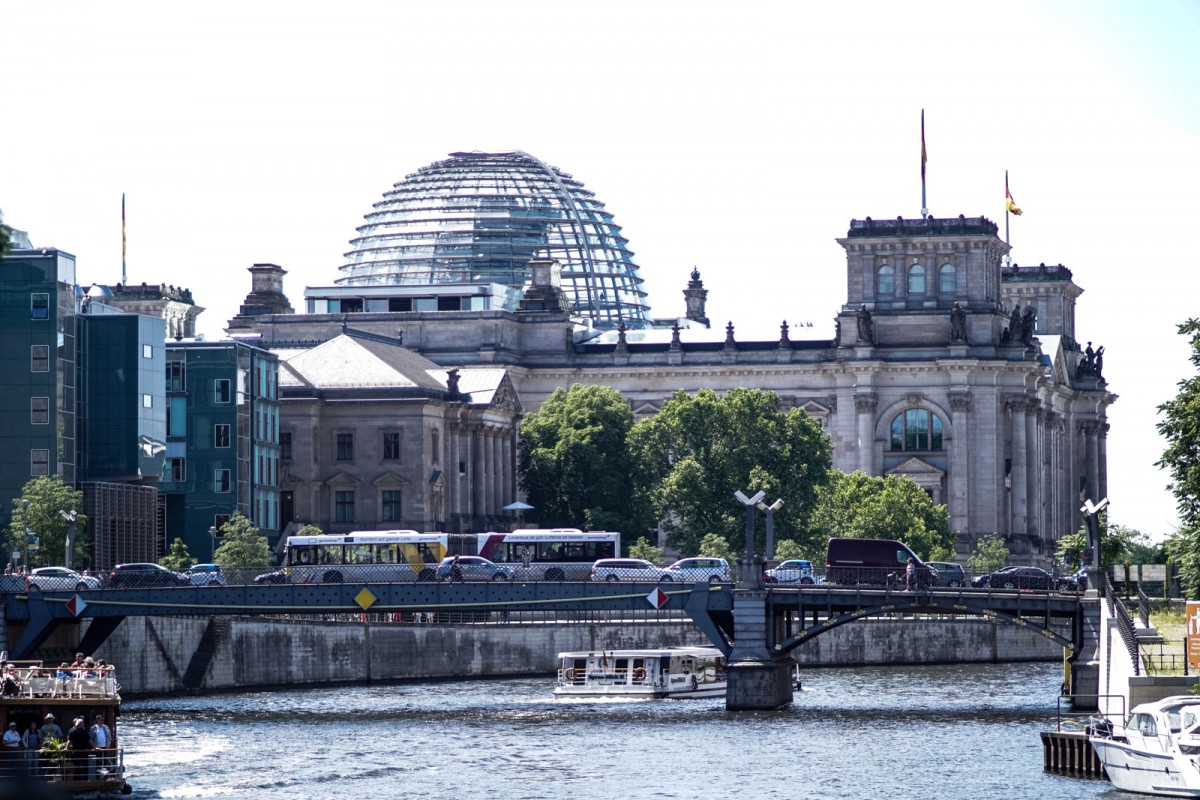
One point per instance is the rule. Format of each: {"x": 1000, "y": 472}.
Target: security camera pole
{"x": 749, "y": 576}
{"x": 770, "y": 510}
{"x": 69, "y": 516}
{"x": 1091, "y": 518}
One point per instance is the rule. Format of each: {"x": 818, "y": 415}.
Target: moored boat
{"x": 50, "y": 700}
{"x": 1157, "y": 749}
{"x": 666, "y": 673}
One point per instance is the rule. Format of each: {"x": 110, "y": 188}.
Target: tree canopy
{"x": 867, "y": 507}
{"x": 178, "y": 557}
{"x": 692, "y": 456}
{"x": 989, "y": 555}
{"x": 241, "y": 545}
{"x": 37, "y": 511}
{"x": 573, "y": 462}
{"x": 1180, "y": 426}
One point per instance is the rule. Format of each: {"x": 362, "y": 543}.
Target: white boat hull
{"x": 1135, "y": 770}
{"x": 627, "y": 692}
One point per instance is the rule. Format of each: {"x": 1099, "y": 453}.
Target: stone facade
{"x": 947, "y": 367}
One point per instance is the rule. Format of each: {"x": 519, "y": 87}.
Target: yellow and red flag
{"x": 1008, "y": 201}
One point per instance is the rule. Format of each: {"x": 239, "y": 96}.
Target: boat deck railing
{"x": 96, "y": 770}
{"x": 84, "y": 683}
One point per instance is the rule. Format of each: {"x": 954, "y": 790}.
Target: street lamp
{"x": 69, "y": 516}
{"x": 1091, "y": 518}
{"x": 750, "y": 503}
{"x": 212, "y": 534}
{"x": 770, "y": 510}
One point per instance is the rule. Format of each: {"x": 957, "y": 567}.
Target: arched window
{"x": 947, "y": 279}
{"x": 916, "y": 429}
{"x": 916, "y": 279}
{"x": 885, "y": 281}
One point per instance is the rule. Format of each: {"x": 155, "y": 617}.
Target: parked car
{"x": 794, "y": 570}
{"x": 949, "y": 573}
{"x": 873, "y": 562}
{"x": 700, "y": 568}
{"x": 278, "y": 576}
{"x": 59, "y": 579}
{"x": 628, "y": 569}
{"x": 205, "y": 575}
{"x": 143, "y": 575}
{"x": 1017, "y": 578}
{"x": 471, "y": 568}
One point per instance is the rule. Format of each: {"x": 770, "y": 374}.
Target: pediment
{"x": 916, "y": 468}
{"x": 389, "y": 480}
{"x": 645, "y": 410}
{"x": 343, "y": 479}
{"x": 814, "y": 409}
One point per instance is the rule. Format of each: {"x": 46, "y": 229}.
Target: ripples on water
{"x": 905, "y": 732}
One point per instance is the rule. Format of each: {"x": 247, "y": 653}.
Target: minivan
{"x": 876, "y": 562}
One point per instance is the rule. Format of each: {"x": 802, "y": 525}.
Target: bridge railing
{"x": 1125, "y": 625}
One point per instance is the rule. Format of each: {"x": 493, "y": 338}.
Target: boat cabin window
{"x": 622, "y": 664}
{"x": 1143, "y": 724}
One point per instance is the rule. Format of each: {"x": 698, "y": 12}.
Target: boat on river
{"x": 33, "y": 693}
{"x": 1157, "y": 749}
{"x": 673, "y": 673}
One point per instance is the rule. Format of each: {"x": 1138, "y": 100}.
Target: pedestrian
{"x": 79, "y": 742}
{"x": 8, "y": 570}
{"x": 910, "y": 574}
{"x": 31, "y": 740}
{"x": 11, "y": 766}
{"x": 101, "y": 740}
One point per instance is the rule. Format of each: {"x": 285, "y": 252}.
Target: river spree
{"x": 905, "y": 732}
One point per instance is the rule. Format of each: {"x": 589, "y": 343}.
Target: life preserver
{"x": 569, "y": 675}
{"x": 639, "y": 675}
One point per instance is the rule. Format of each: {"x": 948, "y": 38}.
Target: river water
{"x": 882, "y": 732}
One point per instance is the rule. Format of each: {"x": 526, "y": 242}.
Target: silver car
{"x": 59, "y": 579}
{"x": 628, "y": 569}
{"x": 700, "y": 568}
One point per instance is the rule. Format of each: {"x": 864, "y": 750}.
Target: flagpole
{"x": 123, "y": 278}
{"x": 1006, "y": 214}
{"x": 924, "y": 158}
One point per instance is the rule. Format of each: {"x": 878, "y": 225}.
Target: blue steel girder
{"x": 1012, "y": 608}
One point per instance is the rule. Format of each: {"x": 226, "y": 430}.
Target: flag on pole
{"x": 924, "y": 156}
{"x": 123, "y": 281}
{"x": 1008, "y": 201}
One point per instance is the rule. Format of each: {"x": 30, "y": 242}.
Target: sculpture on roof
{"x": 866, "y": 326}
{"x": 958, "y": 324}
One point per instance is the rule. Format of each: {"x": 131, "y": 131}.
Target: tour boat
{"x": 1156, "y": 751}
{"x": 31, "y": 692}
{"x": 670, "y": 673}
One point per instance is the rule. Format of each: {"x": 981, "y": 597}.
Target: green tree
{"x": 788, "y": 549}
{"x": 309, "y": 530}
{"x": 573, "y": 462}
{"x": 1180, "y": 426}
{"x": 643, "y": 549}
{"x": 1118, "y": 545}
{"x": 38, "y": 511}
{"x": 989, "y": 555}
{"x": 241, "y": 545}
{"x": 692, "y": 456}
{"x": 715, "y": 546}
{"x": 867, "y": 507}
{"x": 177, "y": 558}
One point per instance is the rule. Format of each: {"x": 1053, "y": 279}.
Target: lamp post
{"x": 770, "y": 510}
{"x": 1091, "y": 518}
{"x": 750, "y": 503}
{"x": 69, "y": 516}
{"x": 212, "y": 535}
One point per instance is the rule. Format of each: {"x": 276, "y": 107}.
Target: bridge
{"x": 756, "y": 626}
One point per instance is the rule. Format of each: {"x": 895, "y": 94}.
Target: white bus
{"x": 371, "y": 556}
{"x": 549, "y": 554}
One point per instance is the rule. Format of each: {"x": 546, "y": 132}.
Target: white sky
{"x": 738, "y": 137}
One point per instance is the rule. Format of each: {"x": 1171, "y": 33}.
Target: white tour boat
{"x": 1157, "y": 750}
{"x": 671, "y": 672}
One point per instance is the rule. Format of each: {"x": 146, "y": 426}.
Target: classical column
{"x": 1091, "y": 432}
{"x": 864, "y": 407}
{"x": 1018, "y": 486}
{"x": 478, "y": 482}
{"x": 1102, "y": 462}
{"x": 1050, "y": 478}
{"x": 960, "y": 469}
{"x": 453, "y": 479}
{"x": 506, "y": 467}
{"x": 489, "y": 448}
{"x": 1033, "y": 475}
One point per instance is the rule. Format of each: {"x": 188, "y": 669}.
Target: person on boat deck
{"x": 10, "y": 684}
{"x": 79, "y": 659}
{"x": 910, "y": 574}
{"x": 101, "y": 738}
{"x": 79, "y": 742}
{"x": 50, "y": 730}
{"x": 31, "y": 740}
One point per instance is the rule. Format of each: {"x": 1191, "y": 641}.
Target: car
{"x": 700, "y": 568}
{"x": 949, "y": 574}
{"x": 471, "y": 568}
{"x": 268, "y": 578}
{"x": 874, "y": 562}
{"x": 205, "y": 575}
{"x": 628, "y": 569}
{"x": 794, "y": 570}
{"x": 59, "y": 579}
{"x": 144, "y": 575}
{"x": 1017, "y": 578}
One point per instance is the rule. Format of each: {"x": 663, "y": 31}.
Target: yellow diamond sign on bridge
{"x": 365, "y": 599}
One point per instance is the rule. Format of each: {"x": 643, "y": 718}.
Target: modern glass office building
{"x": 477, "y": 219}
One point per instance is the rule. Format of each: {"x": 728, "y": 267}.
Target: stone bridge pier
{"x": 759, "y": 679}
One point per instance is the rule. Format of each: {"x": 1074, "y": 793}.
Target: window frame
{"x": 391, "y": 445}
{"x": 39, "y": 457}
{"x": 888, "y": 272}
{"x": 37, "y": 310}
{"x": 945, "y": 271}
{"x": 39, "y": 416}
{"x": 343, "y": 446}
{"x": 915, "y": 274}
{"x": 391, "y": 505}
{"x": 343, "y": 505}
{"x": 222, "y": 391}
{"x": 219, "y": 429}
{"x": 933, "y": 432}
{"x": 35, "y": 359}
{"x": 222, "y": 478}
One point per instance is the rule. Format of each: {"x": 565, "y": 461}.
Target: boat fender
{"x": 639, "y": 675}
{"x": 569, "y": 675}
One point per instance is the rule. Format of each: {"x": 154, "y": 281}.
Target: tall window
{"x": 916, "y": 279}
{"x": 39, "y": 462}
{"x": 435, "y": 448}
{"x": 285, "y": 445}
{"x": 220, "y": 436}
{"x": 39, "y": 305}
{"x": 391, "y": 445}
{"x": 175, "y": 469}
{"x": 391, "y": 505}
{"x": 221, "y": 390}
{"x": 343, "y": 506}
{"x": 947, "y": 279}
{"x": 885, "y": 281}
{"x": 176, "y": 371}
{"x": 221, "y": 480}
{"x": 39, "y": 358}
{"x": 147, "y": 351}
{"x": 916, "y": 429}
{"x": 345, "y": 447}
{"x": 39, "y": 410}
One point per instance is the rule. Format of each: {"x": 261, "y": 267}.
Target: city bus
{"x": 549, "y": 554}
{"x": 371, "y": 556}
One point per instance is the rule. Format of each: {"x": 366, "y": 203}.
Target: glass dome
{"x": 481, "y": 217}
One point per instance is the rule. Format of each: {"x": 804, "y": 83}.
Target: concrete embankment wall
{"x": 165, "y": 655}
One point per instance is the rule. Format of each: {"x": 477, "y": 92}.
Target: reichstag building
{"x": 487, "y": 280}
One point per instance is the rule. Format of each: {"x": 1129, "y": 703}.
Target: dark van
{"x": 874, "y": 562}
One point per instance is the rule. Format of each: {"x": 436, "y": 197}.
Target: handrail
{"x": 1143, "y": 605}
{"x": 1124, "y": 625}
